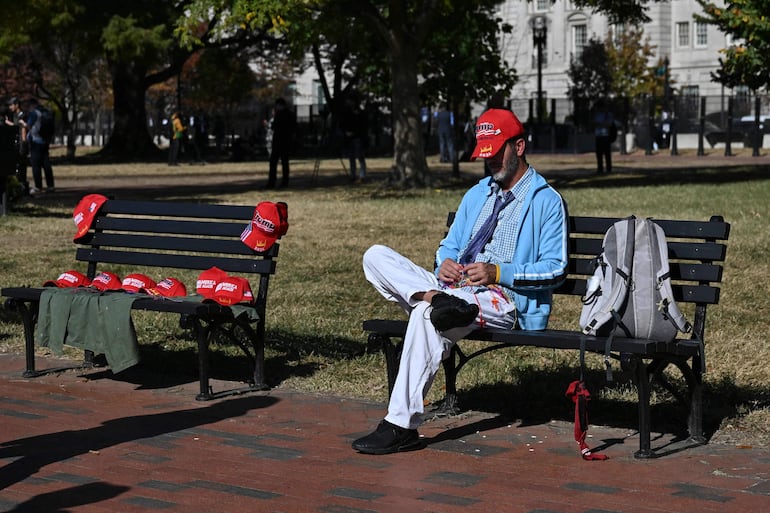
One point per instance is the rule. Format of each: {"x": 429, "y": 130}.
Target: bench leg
{"x": 695, "y": 419}
{"x": 392, "y": 354}
{"x": 693, "y": 401}
{"x": 202, "y": 336}
{"x": 643, "y": 387}
{"x": 260, "y": 382}
{"x": 694, "y": 378}
{"x": 450, "y": 406}
{"x": 28, "y": 319}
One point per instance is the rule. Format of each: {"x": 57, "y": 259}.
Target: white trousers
{"x": 398, "y": 279}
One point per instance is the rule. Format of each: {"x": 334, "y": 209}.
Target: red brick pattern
{"x": 95, "y": 443}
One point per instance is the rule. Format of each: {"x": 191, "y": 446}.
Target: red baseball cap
{"x": 106, "y": 281}
{"x": 168, "y": 287}
{"x": 69, "y": 279}
{"x": 136, "y": 282}
{"x": 494, "y": 127}
{"x": 84, "y": 213}
{"x": 270, "y": 223}
{"x": 232, "y": 290}
{"x": 208, "y": 280}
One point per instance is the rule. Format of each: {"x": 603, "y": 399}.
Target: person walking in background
{"x": 39, "y": 135}
{"x": 282, "y": 127}
{"x": 22, "y": 146}
{"x": 497, "y": 267}
{"x": 604, "y": 129}
{"x": 445, "y": 125}
{"x": 200, "y": 138}
{"x": 178, "y": 135}
{"x": 354, "y": 137}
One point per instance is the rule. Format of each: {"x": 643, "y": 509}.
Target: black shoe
{"x": 388, "y": 438}
{"x": 451, "y": 312}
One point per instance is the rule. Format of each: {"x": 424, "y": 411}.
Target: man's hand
{"x": 480, "y": 273}
{"x": 450, "y": 271}
{"x": 475, "y": 274}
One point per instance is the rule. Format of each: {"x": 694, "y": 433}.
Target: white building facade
{"x": 692, "y": 47}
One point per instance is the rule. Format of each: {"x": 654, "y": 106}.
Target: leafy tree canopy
{"x": 590, "y": 75}
{"x": 628, "y": 57}
{"x": 747, "y": 61}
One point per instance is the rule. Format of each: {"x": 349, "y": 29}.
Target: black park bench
{"x": 173, "y": 236}
{"x": 697, "y": 251}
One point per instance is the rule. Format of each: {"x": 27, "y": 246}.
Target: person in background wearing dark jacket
{"x": 38, "y": 150}
{"x": 282, "y": 127}
{"x": 17, "y": 119}
{"x": 354, "y": 136}
{"x": 603, "y": 126}
{"x": 445, "y": 127}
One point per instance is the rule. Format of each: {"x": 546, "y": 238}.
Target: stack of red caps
{"x": 215, "y": 285}
{"x": 207, "y": 281}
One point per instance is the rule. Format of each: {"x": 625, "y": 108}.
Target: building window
{"x": 579, "y": 39}
{"x": 542, "y": 5}
{"x": 690, "y": 90}
{"x": 683, "y": 34}
{"x": 701, "y": 34}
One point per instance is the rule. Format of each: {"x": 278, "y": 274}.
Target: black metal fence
{"x": 652, "y": 124}
{"x": 645, "y": 123}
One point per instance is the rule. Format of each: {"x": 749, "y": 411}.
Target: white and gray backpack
{"x": 630, "y": 294}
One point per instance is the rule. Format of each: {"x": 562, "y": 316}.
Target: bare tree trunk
{"x": 410, "y": 168}
{"x": 130, "y": 138}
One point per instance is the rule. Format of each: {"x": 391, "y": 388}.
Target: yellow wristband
{"x": 497, "y": 273}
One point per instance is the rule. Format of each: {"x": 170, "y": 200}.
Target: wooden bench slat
{"x": 174, "y": 243}
{"x": 202, "y": 262}
{"x": 679, "y": 271}
{"x": 181, "y": 227}
{"x": 552, "y": 339}
{"x": 172, "y": 209}
{"x": 699, "y": 251}
{"x": 143, "y": 303}
{"x": 677, "y": 250}
{"x": 706, "y": 230}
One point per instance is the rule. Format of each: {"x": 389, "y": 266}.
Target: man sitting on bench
{"x": 503, "y": 255}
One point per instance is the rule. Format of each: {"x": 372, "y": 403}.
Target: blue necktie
{"x": 484, "y": 235}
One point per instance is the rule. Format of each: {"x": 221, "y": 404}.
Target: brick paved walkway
{"x": 100, "y": 444}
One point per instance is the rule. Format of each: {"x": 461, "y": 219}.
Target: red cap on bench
{"x": 69, "y": 279}
{"x": 270, "y": 223}
{"x": 106, "y": 281}
{"x": 84, "y": 213}
{"x": 136, "y": 282}
{"x": 208, "y": 280}
{"x": 232, "y": 290}
{"x": 168, "y": 287}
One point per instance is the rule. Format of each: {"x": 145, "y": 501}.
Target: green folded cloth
{"x": 89, "y": 319}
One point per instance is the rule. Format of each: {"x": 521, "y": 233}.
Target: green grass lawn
{"x": 319, "y": 296}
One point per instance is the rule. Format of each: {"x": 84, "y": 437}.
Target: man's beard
{"x": 508, "y": 169}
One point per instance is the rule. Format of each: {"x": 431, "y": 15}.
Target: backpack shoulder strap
{"x": 667, "y": 305}
{"x": 621, "y": 234}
